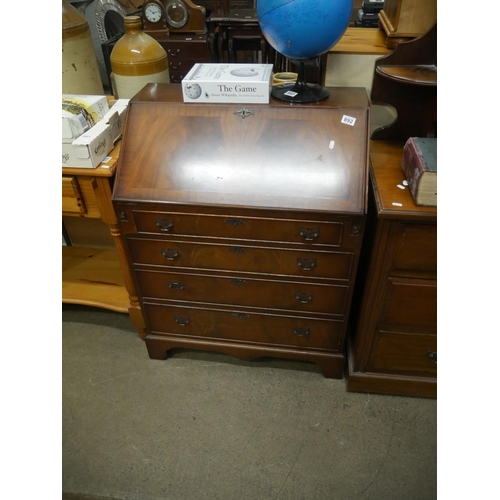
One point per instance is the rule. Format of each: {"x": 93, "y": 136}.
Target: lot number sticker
{"x": 348, "y": 120}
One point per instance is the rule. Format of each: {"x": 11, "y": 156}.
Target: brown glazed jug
{"x": 136, "y": 60}
{"x": 80, "y": 70}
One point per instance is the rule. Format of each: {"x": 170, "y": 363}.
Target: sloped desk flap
{"x": 276, "y": 155}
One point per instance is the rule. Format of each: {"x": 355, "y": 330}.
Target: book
{"x": 419, "y": 166}
{"x": 244, "y": 83}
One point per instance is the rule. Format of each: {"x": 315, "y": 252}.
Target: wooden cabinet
{"x": 93, "y": 275}
{"x": 393, "y": 347}
{"x": 244, "y": 229}
{"x": 183, "y": 52}
{"x": 407, "y": 19}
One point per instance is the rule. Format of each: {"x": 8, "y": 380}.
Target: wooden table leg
{"x": 102, "y": 191}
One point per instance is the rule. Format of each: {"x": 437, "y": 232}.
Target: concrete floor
{"x": 208, "y": 426}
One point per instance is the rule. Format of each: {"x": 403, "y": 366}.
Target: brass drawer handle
{"x": 181, "y": 320}
{"x": 304, "y": 297}
{"x": 238, "y": 282}
{"x": 301, "y": 332}
{"x": 176, "y": 285}
{"x": 240, "y": 315}
{"x": 164, "y": 223}
{"x": 234, "y": 221}
{"x": 174, "y": 54}
{"x": 170, "y": 253}
{"x": 237, "y": 250}
{"x": 433, "y": 356}
{"x": 306, "y": 264}
{"x": 309, "y": 233}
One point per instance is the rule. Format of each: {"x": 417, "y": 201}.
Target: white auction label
{"x": 348, "y": 120}
{"x": 290, "y": 93}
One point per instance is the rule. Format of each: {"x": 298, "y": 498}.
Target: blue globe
{"x": 303, "y": 29}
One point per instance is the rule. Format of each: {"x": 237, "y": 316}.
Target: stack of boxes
{"x": 90, "y": 128}
{"x": 368, "y": 14}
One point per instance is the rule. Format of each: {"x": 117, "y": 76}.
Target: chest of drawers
{"x": 183, "y": 52}
{"x": 244, "y": 232}
{"x": 393, "y": 348}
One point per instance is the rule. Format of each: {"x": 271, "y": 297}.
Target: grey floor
{"x": 208, "y": 426}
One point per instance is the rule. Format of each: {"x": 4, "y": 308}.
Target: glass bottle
{"x": 80, "y": 69}
{"x": 136, "y": 60}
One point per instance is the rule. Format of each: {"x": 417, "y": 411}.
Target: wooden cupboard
{"x": 392, "y": 348}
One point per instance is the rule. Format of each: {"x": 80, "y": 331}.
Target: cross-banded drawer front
{"x": 244, "y": 326}
{"x": 404, "y": 353}
{"x": 410, "y": 305}
{"x": 244, "y": 228}
{"x": 72, "y": 199}
{"x": 305, "y": 263}
{"x": 197, "y": 52}
{"x": 294, "y": 296}
{"x": 415, "y": 250}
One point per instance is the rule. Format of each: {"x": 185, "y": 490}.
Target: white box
{"x": 88, "y": 150}
{"x": 244, "y": 83}
{"x": 80, "y": 113}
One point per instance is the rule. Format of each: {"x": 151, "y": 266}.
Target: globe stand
{"x": 300, "y": 91}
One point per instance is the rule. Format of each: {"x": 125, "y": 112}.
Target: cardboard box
{"x": 80, "y": 113}
{"x": 243, "y": 83}
{"x": 90, "y": 149}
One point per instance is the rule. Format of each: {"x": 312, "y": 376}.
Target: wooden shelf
{"x": 93, "y": 277}
{"x": 385, "y": 167}
{"x": 362, "y": 41}
{"x": 420, "y": 74}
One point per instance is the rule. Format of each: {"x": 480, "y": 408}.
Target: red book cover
{"x": 419, "y": 166}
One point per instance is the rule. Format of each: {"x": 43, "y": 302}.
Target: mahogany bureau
{"x": 243, "y": 223}
{"x": 393, "y": 344}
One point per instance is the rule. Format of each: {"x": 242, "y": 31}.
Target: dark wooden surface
{"x": 244, "y": 234}
{"x": 394, "y": 327}
{"x": 280, "y": 157}
{"x": 407, "y": 80}
{"x": 183, "y": 52}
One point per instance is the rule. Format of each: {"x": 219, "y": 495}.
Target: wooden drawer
{"x": 187, "y": 49}
{"x": 305, "y": 263}
{"x": 299, "y": 297}
{"x": 242, "y": 228}
{"x": 72, "y": 199}
{"x": 244, "y": 326}
{"x": 410, "y": 305}
{"x": 404, "y": 354}
{"x": 177, "y": 75}
{"x": 415, "y": 250}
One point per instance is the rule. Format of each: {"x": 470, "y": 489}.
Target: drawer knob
{"x": 301, "y": 332}
{"x": 309, "y": 233}
{"x": 433, "y": 355}
{"x": 238, "y": 282}
{"x": 304, "y": 297}
{"x": 176, "y": 285}
{"x": 170, "y": 253}
{"x": 306, "y": 264}
{"x": 234, "y": 221}
{"x": 164, "y": 223}
{"x": 237, "y": 250}
{"x": 240, "y": 315}
{"x": 181, "y": 320}
{"x": 172, "y": 53}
